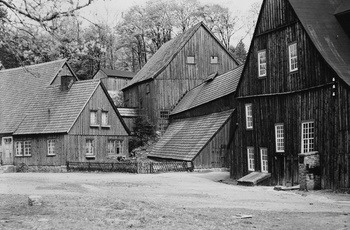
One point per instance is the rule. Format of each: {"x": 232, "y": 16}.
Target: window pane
{"x": 93, "y": 117}
{"x": 104, "y": 118}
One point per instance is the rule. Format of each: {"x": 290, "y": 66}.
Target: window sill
{"x": 105, "y": 126}
{"x": 262, "y": 77}
{"x": 248, "y": 129}
{"x": 190, "y": 63}
{"x": 51, "y": 155}
{"x": 24, "y": 156}
{"x": 293, "y": 71}
{"x": 90, "y": 156}
{"x": 94, "y": 126}
{"x": 308, "y": 153}
{"x": 214, "y": 63}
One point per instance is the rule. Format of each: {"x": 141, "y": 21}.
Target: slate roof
{"x": 54, "y": 110}
{"x": 318, "y": 18}
{"x": 19, "y": 86}
{"x": 118, "y": 73}
{"x": 210, "y": 90}
{"x": 30, "y": 105}
{"x": 185, "y": 138}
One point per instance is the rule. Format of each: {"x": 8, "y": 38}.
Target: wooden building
{"x": 177, "y": 67}
{"x": 294, "y": 95}
{"x": 202, "y": 124}
{"x": 48, "y": 117}
{"x": 114, "y": 80}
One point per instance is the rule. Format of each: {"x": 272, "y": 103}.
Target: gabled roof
{"x": 185, "y": 138}
{"x": 319, "y": 21}
{"x": 343, "y": 8}
{"x": 118, "y": 73}
{"x": 19, "y": 86}
{"x": 54, "y": 110}
{"x": 166, "y": 53}
{"x": 210, "y": 90}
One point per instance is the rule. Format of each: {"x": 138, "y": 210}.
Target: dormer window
{"x": 293, "y": 57}
{"x": 262, "y": 63}
{"x": 190, "y": 60}
{"x": 214, "y": 60}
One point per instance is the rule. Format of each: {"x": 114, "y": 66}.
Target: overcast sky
{"x": 109, "y": 11}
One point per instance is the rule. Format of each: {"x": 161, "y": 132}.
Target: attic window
{"x": 214, "y": 60}
{"x": 293, "y": 57}
{"x": 190, "y": 60}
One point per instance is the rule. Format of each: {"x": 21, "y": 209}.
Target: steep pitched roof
{"x": 210, "y": 90}
{"x": 118, "y": 73}
{"x": 185, "y": 138}
{"x": 318, "y": 19}
{"x": 54, "y": 110}
{"x": 19, "y": 86}
{"x": 165, "y": 55}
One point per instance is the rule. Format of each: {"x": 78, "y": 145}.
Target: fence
{"x": 130, "y": 167}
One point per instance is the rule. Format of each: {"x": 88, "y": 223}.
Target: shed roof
{"x": 185, "y": 138}
{"x": 118, "y": 73}
{"x": 318, "y": 18}
{"x": 165, "y": 55}
{"x": 19, "y": 86}
{"x": 210, "y": 90}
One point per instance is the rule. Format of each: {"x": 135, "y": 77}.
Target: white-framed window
{"x": 262, "y": 63}
{"x": 264, "y": 160}
{"x": 104, "y": 118}
{"x": 19, "y": 148}
{"x": 114, "y": 147}
{"x": 293, "y": 57}
{"x": 164, "y": 114}
{"x": 250, "y": 156}
{"x": 51, "y": 147}
{"x": 89, "y": 147}
{"x": 307, "y": 136}
{"x": 214, "y": 60}
{"x": 279, "y": 135}
{"x": 93, "y": 117}
{"x": 23, "y": 148}
{"x": 190, "y": 60}
{"x": 248, "y": 116}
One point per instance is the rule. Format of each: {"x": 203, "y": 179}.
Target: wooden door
{"x": 7, "y": 153}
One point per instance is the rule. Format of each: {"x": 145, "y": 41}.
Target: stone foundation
{"x": 49, "y": 169}
{"x": 309, "y": 171}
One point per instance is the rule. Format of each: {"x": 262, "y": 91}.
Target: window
{"x": 214, "y": 60}
{"x": 307, "y": 136}
{"x": 190, "y": 60}
{"x": 147, "y": 88}
{"x": 93, "y": 118}
{"x": 250, "y": 154}
{"x": 23, "y": 148}
{"x": 293, "y": 57}
{"x": 249, "y": 116}
{"x": 264, "y": 160}
{"x": 115, "y": 147}
{"x": 164, "y": 114}
{"x": 262, "y": 63}
{"x": 19, "y": 148}
{"x": 89, "y": 146}
{"x": 279, "y": 133}
{"x": 51, "y": 147}
{"x": 104, "y": 118}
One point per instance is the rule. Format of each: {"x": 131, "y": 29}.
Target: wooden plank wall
{"x": 304, "y": 95}
{"x": 75, "y": 146}
{"x": 39, "y": 155}
{"x": 114, "y": 83}
{"x": 216, "y": 153}
{"x": 179, "y": 77}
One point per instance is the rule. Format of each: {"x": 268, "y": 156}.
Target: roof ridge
{"x": 35, "y": 65}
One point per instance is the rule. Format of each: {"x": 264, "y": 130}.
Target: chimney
{"x": 66, "y": 82}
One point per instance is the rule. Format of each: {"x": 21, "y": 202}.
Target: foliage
{"x": 145, "y": 132}
{"x": 239, "y": 52}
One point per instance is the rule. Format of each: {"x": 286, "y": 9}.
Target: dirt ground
{"x": 162, "y": 201}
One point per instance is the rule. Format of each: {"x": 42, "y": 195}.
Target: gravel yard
{"x": 162, "y": 201}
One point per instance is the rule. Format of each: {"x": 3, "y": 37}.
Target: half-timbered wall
{"x": 177, "y": 78}
{"x": 291, "y": 98}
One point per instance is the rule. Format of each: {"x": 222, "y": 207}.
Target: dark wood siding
{"x": 178, "y": 77}
{"x": 39, "y": 155}
{"x": 291, "y": 98}
{"x": 114, "y": 83}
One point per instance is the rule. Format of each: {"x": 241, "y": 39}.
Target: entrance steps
{"x": 253, "y": 178}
